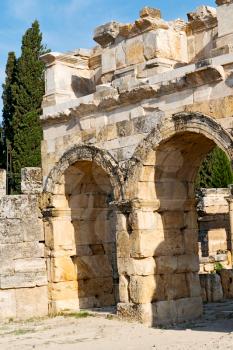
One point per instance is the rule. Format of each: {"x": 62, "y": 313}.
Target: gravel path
{"x": 104, "y": 333}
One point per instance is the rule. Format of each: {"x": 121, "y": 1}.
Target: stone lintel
{"x": 73, "y": 59}
{"x": 205, "y": 75}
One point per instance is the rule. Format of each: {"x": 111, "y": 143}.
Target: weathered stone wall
{"x": 82, "y": 244}
{"x": 23, "y": 275}
{"x": 214, "y": 228}
{"x": 145, "y": 106}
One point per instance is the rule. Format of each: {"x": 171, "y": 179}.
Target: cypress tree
{"x": 28, "y": 91}
{"x": 7, "y": 134}
{"x": 215, "y": 171}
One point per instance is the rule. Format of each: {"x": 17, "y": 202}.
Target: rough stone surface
{"x": 227, "y": 283}
{"x": 214, "y": 228}
{"x": 126, "y": 126}
{"x": 23, "y": 271}
{"x": 211, "y": 285}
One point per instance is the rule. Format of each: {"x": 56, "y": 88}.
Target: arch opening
{"x": 83, "y": 265}
{"x": 167, "y": 226}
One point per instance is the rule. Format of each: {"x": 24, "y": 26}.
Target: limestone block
{"x": 205, "y": 75}
{"x": 147, "y": 174}
{"x": 137, "y": 112}
{"x": 146, "y": 243}
{"x": 224, "y": 13}
{"x": 97, "y": 231}
{"x": 123, "y": 289}
{"x": 31, "y": 302}
{"x": 11, "y": 231}
{"x": 173, "y": 311}
{"x": 32, "y": 230}
{"x": 7, "y": 304}
{"x": 121, "y": 222}
{"x": 19, "y": 207}
{"x": 176, "y": 286}
{"x": 60, "y": 201}
{"x": 63, "y": 290}
{"x": 63, "y": 234}
{"x": 95, "y": 287}
{"x": 166, "y": 264}
{"x": 172, "y": 243}
{"x": 134, "y": 50}
{"x": 165, "y": 44}
{"x": 21, "y": 250}
{"x": 227, "y": 283}
{"x": 189, "y": 308}
{"x": 213, "y": 287}
{"x": 142, "y": 220}
{"x": 173, "y": 219}
{"x": 136, "y": 312}
{"x": 31, "y": 180}
{"x": 194, "y": 284}
{"x": 2, "y": 182}
{"x": 187, "y": 263}
{"x": 108, "y": 60}
{"x": 190, "y": 241}
{"x": 93, "y": 266}
{"x": 150, "y": 12}
{"x": 164, "y": 312}
{"x": 97, "y": 301}
{"x": 120, "y": 55}
{"x": 146, "y": 190}
{"x": 56, "y": 306}
{"x": 123, "y": 244}
{"x": 23, "y": 280}
{"x": 91, "y": 249}
{"x": 140, "y": 267}
{"x": 63, "y": 269}
{"x": 107, "y": 33}
{"x": 30, "y": 265}
{"x": 142, "y": 289}
{"x": 17, "y": 230}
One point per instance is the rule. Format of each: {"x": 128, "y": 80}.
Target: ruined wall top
{"x": 138, "y": 51}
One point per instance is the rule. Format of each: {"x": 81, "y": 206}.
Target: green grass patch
{"x": 21, "y": 331}
{"x": 79, "y": 314}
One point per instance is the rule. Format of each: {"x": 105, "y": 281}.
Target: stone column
{"x": 136, "y": 243}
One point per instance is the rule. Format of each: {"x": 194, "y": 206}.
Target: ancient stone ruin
{"x": 126, "y": 126}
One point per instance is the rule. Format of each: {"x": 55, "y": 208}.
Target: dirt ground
{"x": 109, "y": 333}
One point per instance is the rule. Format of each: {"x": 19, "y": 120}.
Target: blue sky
{"x": 69, "y": 24}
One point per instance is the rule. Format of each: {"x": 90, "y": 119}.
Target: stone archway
{"x": 158, "y": 253}
{"x": 80, "y": 230}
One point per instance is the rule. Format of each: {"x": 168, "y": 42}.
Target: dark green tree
{"x": 28, "y": 91}
{"x": 7, "y": 134}
{"x": 215, "y": 171}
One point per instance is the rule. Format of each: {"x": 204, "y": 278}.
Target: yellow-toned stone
{"x": 134, "y": 51}
{"x": 63, "y": 290}
{"x": 63, "y": 269}
{"x": 142, "y": 289}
